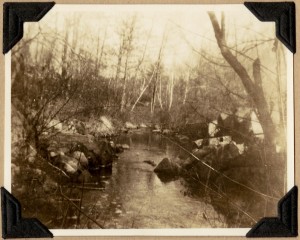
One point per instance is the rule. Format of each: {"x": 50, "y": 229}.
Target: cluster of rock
{"x": 129, "y": 126}
{"x": 220, "y": 153}
{"x": 74, "y": 153}
{"x": 101, "y": 127}
{"x": 158, "y": 129}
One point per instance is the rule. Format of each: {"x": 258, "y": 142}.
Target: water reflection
{"x": 133, "y": 196}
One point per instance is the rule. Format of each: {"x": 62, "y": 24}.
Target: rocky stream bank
{"x": 70, "y": 153}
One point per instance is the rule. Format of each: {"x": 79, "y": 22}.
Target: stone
{"x": 53, "y": 154}
{"x": 81, "y": 158}
{"x": 143, "y": 125}
{"x": 70, "y": 164}
{"x": 167, "y": 166}
{"x": 55, "y": 125}
{"x": 70, "y": 169}
{"x": 156, "y": 131}
{"x": 94, "y": 154}
{"x": 213, "y": 128}
{"x": 199, "y": 142}
{"x": 130, "y": 125}
{"x": 125, "y": 146}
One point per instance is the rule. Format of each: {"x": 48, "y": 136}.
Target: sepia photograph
{"x": 149, "y": 117}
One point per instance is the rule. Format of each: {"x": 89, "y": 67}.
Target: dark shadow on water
{"x": 101, "y": 172}
{"x": 165, "y": 178}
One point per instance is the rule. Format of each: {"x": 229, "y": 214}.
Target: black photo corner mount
{"x": 14, "y": 226}
{"x": 15, "y": 14}
{"x": 285, "y": 225}
{"x": 284, "y": 15}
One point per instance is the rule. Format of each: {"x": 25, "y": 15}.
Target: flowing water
{"x": 135, "y": 197}
{"x": 131, "y": 195}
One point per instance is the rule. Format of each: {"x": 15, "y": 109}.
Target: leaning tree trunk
{"x": 253, "y": 88}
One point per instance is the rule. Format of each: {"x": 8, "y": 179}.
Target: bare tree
{"x": 186, "y": 89}
{"x": 171, "y": 90}
{"x": 100, "y": 55}
{"x": 252, "y": 87}
{"x": 130, "y": 27}
{"x": 154, "y": 74}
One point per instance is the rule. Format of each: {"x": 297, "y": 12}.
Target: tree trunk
{"x": 186, "y": 88}
{"x": 123, "y": 99}
{"x": 99, "y": 58}
{"x": 255, "y": 92}
{"x": 153, "y": 98}
{"x": 171, "y": 88}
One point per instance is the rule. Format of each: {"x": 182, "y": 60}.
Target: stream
{"x": 131, "y": 195}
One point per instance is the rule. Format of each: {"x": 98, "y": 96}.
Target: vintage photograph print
{"x": 149, "y": 117}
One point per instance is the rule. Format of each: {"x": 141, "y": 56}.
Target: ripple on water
{"x": 134, "y": 197}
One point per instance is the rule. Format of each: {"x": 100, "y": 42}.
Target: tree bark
{"x": 255, "y": 92}
{"x": 171, "y": 88}
{"x": 186, "y": 88}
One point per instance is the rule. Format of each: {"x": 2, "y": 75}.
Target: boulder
{"x": 130, "y": 125}
{"x": 53, "y": 154}
{"x": 55, "y": 125}
{"x": 213, "y": 141}
{"x": 199, "y": 142}
{"x": 98, "y": 155}
{"x": 87, "y": 153}
{"x": 213, "y": 128}
{"x": 142, "y": 125}
{"x": 125, "y": 146}
{"x": 69, "y": 168}
{"x": 156, "y": 130}
{"x": 71, "y": 165}
{"x": 166, "y": 166}
{"x": 81, "y": 158}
